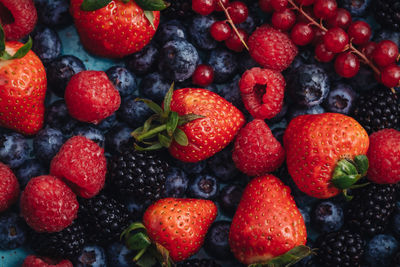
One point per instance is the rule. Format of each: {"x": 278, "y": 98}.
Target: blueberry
{"x": 176, "y": 183}
{"x": 229, "y": 198}
{"x": 203, "y": 186}
{"x": 31, "y": 168}
{"x": 119, "y": 256}
{"x": 135, "y": 208}
{"x": 118, "y": 138}
{"x": 46, "y": 44}
{"x": 170, "y": 30}
{"x": 108, "y": 122}
{"x": 385, "y": 34}
{"x": 327, "y": 217}
{"x": 305, "y": 213}
{"x": 53, "y": 13}
{"x": 199, "y": 31}
{"x": 153, "y": 86}
{"x": 380, "y": 250}
{"x": 216, "y": 242}
{"x": 57, "y": 117}
{"x": 396, "y": 224}
{"x": 133, "y": 112}
{"x": 222, "y": 165}
{"x": 246, "y": 62}
{"x": 178, "y": 60}
{"x": 12, "y": 231}
{"x": 364, "y": 80}
{"x": 92, "y": 256}
{"x": 295, "y": 111}
{"x": 231, "y": 92}
{"x": 60, "y": 71}
{"x": 356, "y": 8}
{"x": 278, "y": 134}
{"x": 47, "y": 143}
{"x": 341, "y": 99}
{"x": 123, "y": 80}
{"x": 90, "y": 132}
{"x": 191, "y": 168}
{"x": 249, "y": 25}
{"x": 144, "y": 61}
{"x": 224, "y": 63}
{"x": 14, "y": 149}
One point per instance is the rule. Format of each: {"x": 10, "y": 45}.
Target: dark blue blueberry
{"x": 90, "y": 132}
{"x": 396, "y": 223}
{"x": 31, "y": 168}
{"x": 14, "y": 149}
{"x": 364, "y": 80}
{"x": 327, "y": 217}
{"x": 229, "y": 198}
{"x": 12, "y": 231}
{"x": 118, "y": 255}
{"x": 203, "y": 186}
{"x": 216, "y": 243}
{"x": 92, "y": 256}
{"x": 222, "y": 165}
{"x": 170, "y": 30}
{"x": 144, "y": 61}
{"x": 305, "y": 213}
{"x": 356, "y": 8}
{"x": 308, "y": 85}
{"x": 47, "y": 143}
{"x": 199, "y": 31}
{"x": 118, "y": 139}
{"x": 57, "y": 117}
{"x": 54, "y": 13}
{"x": 178, "y": 60}
{"x": 224, "y": 63}
{"x": 295, "y": 111}
{"x": 278, "y": 133}
{"x": 133, "y": 112}
{"x": 246, "y": 62}
{"x": 341, "y": 99}
{"x": 46, "y": 44}
{"x": 385, "y": 34}
{"x": 124, "y": 80}
{"x": 108, "y": 122}
{"x": 153, "y": 86}
{"x": 249, "y": 25}
{"x": 176, "y": 183}
{"x": 135, "y": 208}
{"x": 212, "y": 87}
{"x": 60, "y": 71}
{"x": 231, "y": 92}
{"x": 191, "y": 168}
{"x": 380, "y": 250}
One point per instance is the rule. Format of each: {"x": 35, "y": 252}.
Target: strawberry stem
{"x": 347, "y": 172}
{"x": 152, "y": 132}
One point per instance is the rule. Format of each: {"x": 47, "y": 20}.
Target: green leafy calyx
{"x": 348, "y": 172}
{"x": 288, "y": 259}
{"x": 22, "y": 51}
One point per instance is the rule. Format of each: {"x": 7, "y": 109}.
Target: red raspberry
{"x": 9, "y": 187}
{"x": 384, "y": 157}
{"x": 48, "y": 204}
{"x": 271, "y": 48}
{"x": 82, "y": 164}
{"x": 36, "y": 261}
{"x": 262, "y": 92}
{"x": 256, "y": 150}
{"x": 22, "y": 18}
{"x": 91, "y": 97}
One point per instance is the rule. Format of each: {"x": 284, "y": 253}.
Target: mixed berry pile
{"x": 227, "y": 133}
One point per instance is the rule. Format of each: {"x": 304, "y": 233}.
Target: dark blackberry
{"x": 371, "y": 208}
{"x": 377, "y": 109}
{"x": 198, "y": 263}
{"x": 396, "y": 260}
{"x": 178, "y": 9}
{"x": 340, "y": 249}
{"x": 387, "y": 13}
{"x": 103, "y": 218}
{"x": 137, "y": 174}
{"x": 65, "y": 244}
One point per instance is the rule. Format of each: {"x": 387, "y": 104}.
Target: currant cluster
{"x": 335, "y": 37}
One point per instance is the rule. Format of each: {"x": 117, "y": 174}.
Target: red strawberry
{"x": 267, "y": 224}
{"x": 35, "y": 261}
{"x": 325, "y": 153}
{"x": 262, "y": 92}
{"x": 256, "y": 150}
{"x": 384, "y": 157}
{"x": 9, "y": 187}
{"x": 116, "y": 28}
{"x": 91, "y": 97}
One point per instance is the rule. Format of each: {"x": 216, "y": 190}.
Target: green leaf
{"x": 345, "y": 181}
{"x": 152, "y": 105}
{"x": 150, "y": 17}
{"x": 172, "y": 123}
{"x": 137, "y": 132}
{"x": 132, "y": 227}
{"x": 362, "y": 164}
{"x": 22, "y": 51}
{"x": 152, "y": 5}
{"x": 149, "y": 148}
{"x": 346, "y": 195}
{"x": 147, "y": 124}
{"x": 146, "y": 260}
{"x": 92, "y": 5}
{"x": 288, "y": 259}
{"x": 2, "y": 39}
{"x": 188, "y": 118}
{"x": 138, "y": 241}
{"x": 164, "y": 140}
{"x": 180, "y": 137}
{"x": 166, "y": 260}
{"x": 168, "y": 99}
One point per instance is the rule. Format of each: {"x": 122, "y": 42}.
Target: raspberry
{"x": 256, "y": 150}
{"x": 262, "y": 92}
{"x": 48, "y": 204}
{"x": 271, "y": 48}
{"x": 9, "y": 187}
{"x": 91, "y": 97}
{"x": 82, "y": 165}
{"x": 35, "y": 261}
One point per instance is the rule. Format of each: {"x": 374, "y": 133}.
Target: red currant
{"x": 390, "y": 75}
{"x": 342, "y": 19}
{"x": 283, "y": 20}
{"x": 218, "y": 7}
{"x": 325, "y": 9}
{"x": 368, "y": 48}
{"x": 203, "y": 75}
{"x": 279, "y": 5}
{"x": 318, "y": 36}
{"x": 234, "y": 43}
{"x": 305, "y": 2}
{"x": 322, "y": 54}
{"x": 385, "y": 53}
{"x": 302, "y": 34}
{"x": 336, "y": 40}
{"x": 347, "y": 64}
{"x": 360, "y": 32}
{"x": 265, "y": 5}
{"x": 220, "y": 30}
{"x": 238, "y": 12}
{"x": 308, "y": 10}
{"x": 203, "y": 7}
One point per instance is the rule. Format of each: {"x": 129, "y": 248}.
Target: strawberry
{"x": 325, "y": 153}
{"x": 268, "y": 228}
{"x": 194, "y": 124}
{"x": 116, "y": 28}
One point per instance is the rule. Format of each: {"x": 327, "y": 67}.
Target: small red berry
{"x": 385, "y": 53}
{"x": 279, "y": 5}
{"x": 283, "y": 20}
{"x": 309, "y": 11}
{"x": 318, "y": 36}
{"x": 360, "y": 32}
{"x": 217, "y": 5}
{"x": 238, "y": 12}
{"x": 220, "y": 30}
{"x": 234, "y": 43}
{"x": 265, "y": 5}
{"x": 203, "y": 75}
{"x": 347, "y": 64}
{"x": 305, "y": 2}
{"x": 325, "y": 9}
{"x": 322, "y": 54}
{"x": 368, "y": 48}
{"x": 336, "y": 40}
{"x": 302, "y": 34}
{"x": 390, "y": 75}
{"x": 342, "y": 19}
{"x": 203, "y": 7}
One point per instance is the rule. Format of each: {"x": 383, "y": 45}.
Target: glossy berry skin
{"x": 203, "y": 75}
{"x": 9, "y": 187}
{"x": 203, "y": 7}
{"x": 305, "y": 2}
{"x": 123, "y": 80}
{"x": 279, "y": 5}
{"x": 220, "y": 31}
{"x": 360, "y": 32}
{"x": 24, "y": 18}
{"x": 218, "y": 7}
{"x": 238, "y": 11}
{"x": 39, "y": 261}
{"x": 283, "y": 20}
{"x": 216, "y": 243}
{"x": 144, "y": 61}
{"x": 265, "y": 5}
{"x": 327, "y": 217}
{"x": 302, "y": 34}
{"x": 336, "y": 40}
{"x": 368, "y": 49}
{"x": 390, "y": 76}
{"x": 325, "y": 9}
{"x": 385, "y": 53}
{"x": 203, "y": 186}
{"x": 234, "y": 43}
{"x": 342, "y": 19}
{"x": 322, "y": 54}
{"x": 347, "y": 64}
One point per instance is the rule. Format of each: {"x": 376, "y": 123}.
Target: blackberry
{"x": 178, "y": 9}
{"x": 340, "y": 249}
{"x": 387, "y": 13}
{"x": 138, "y": 174}
{"x": 65, "y": 244}
{"x": 103, "y": 218}
{"x": 371, "y": 208}
{"x": 198, "y": 263}
{"x": 377, "y": 109}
